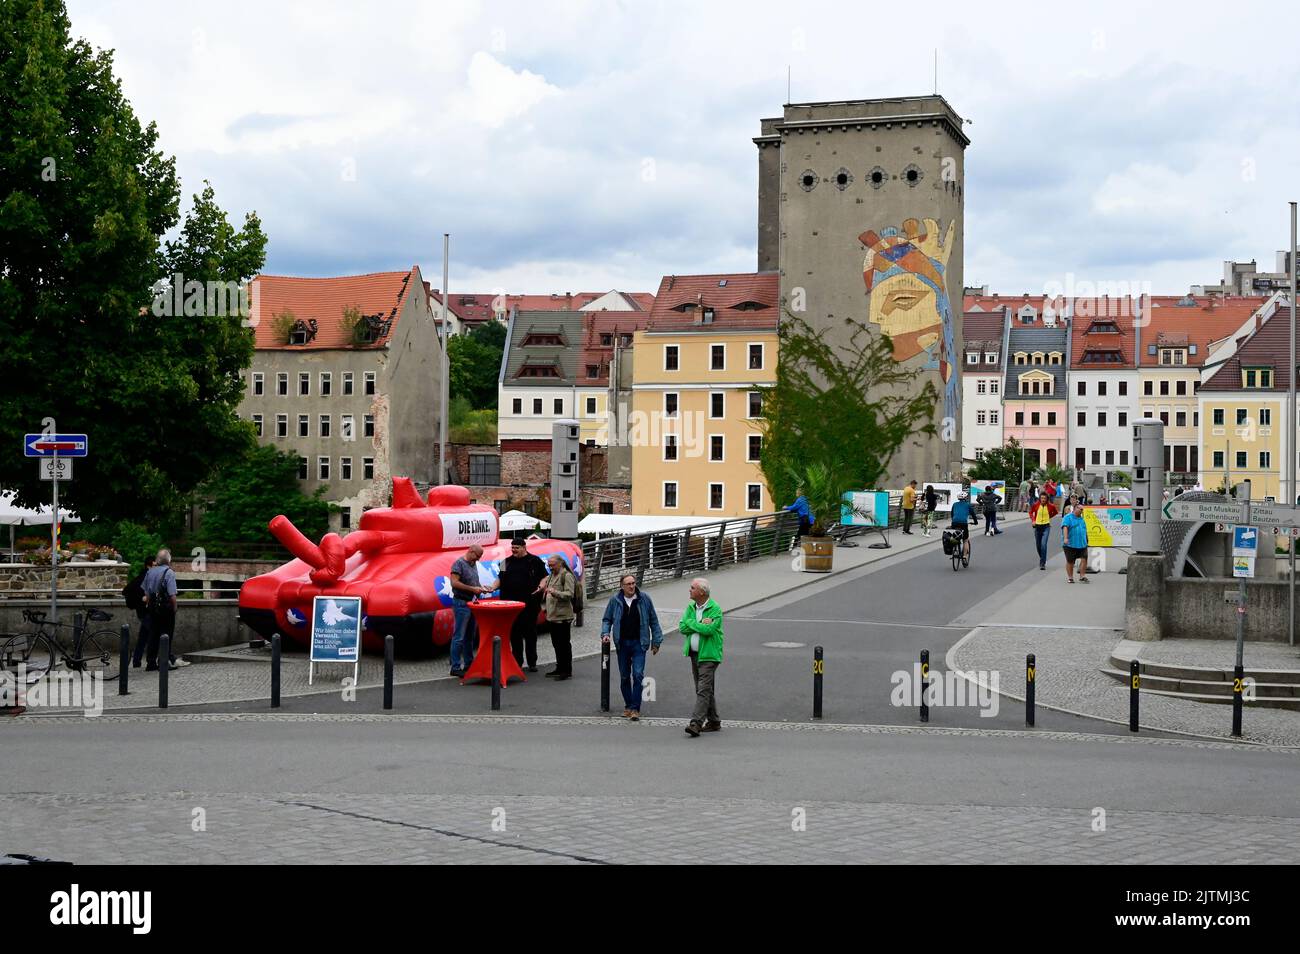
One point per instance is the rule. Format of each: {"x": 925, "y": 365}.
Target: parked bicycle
{"x": 41, "y": 649}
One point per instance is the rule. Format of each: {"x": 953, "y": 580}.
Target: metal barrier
{"x": 685, "y": 551}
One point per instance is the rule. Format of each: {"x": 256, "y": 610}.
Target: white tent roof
{"x": 629, "y": 523}
{"x": 13, "y": 515}
{"x": 513, "y": 520}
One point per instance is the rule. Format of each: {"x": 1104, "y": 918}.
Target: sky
{"x": 582, "y": 146}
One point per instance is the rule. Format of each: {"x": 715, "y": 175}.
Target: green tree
{"x": 491, "y": 333}
{"x": 475, "y": 367}
{"x": 845, "y": 409}
{"x": 85, "y": 198}
{"x": 247, "y": 493}
{"x": 1062, "y": 475}
{"x": 470, "y": 426}
{"x": 999, "y": 463}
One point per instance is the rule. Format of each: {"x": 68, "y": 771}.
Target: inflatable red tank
{"x": 398, "y": 561}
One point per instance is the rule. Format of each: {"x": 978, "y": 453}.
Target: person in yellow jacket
{"x": 908, "y": 507}
{"x": 701, "y": 629}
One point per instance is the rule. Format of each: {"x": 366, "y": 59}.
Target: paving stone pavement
{"x": 1214, "y": 653}
{"x": 1069, "y": 677}
{"x": 306, "y": 828}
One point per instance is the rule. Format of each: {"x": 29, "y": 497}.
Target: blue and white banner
{"x": 336, "y": 629}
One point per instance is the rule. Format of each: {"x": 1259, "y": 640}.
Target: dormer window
{"x": 706, "y": 316}
{"x": 1174, "y": 356}
{"x": 546, "y": 339}
{"x": 750, "y": 306}
{"x": 1037, "y": 357}
{"x": 972, "y": 357}
{"x": 606, "y": 341}
{"x": 1103, "y": 328}
{"x": 539, "y": 371}
{"x": 1055, "y": 357}
{"x": 990, "y": 357}
{"x": 1022, "y": 358}
{"x": 1257, "y": 377}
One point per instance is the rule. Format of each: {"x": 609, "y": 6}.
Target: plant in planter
{"x": 823, "y": 487}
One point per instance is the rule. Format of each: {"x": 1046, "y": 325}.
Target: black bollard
{"x": 388, "y": 672}
{"x": 164, "y": 667}
{"x": 1031, "y": 675}
{"x": 1134, "y": 683}
{"x": 275, "y": 671}
{"x": 819, "y": 669}
{"x": 1238, "y": 688}
{"x": 496, "y": 673}
{"x": 604, "y": 675}
{"x": 925, "y": 684}
{"x": 124, "y": 660}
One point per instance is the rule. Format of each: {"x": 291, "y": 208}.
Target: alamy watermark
{"x": 53, "y": 689}
{"x": 175, "y": 297}
{"x": 951, "y": 689}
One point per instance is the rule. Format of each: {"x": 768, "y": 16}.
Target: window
{"x": 347, "y": 383}
{"x": 1148, "y": 388}
{"x": 1265, "y": 460}
{"x": 304, "y": 425}
{"x": 282, "y": 383}
{"x": 484, "y": 469}
{"x": 1101, "y": 388}
{"x": 1123, "y": 458}
{"x": 1180, "y": 387}
{"x": 1217, "y": 416}
{"x": 670, "y": 404}
{"x": 1123, "y": 418}
{"x": 1101, "y": 418}
{"x": 370, "y": 382}
{"x": 1196, "y": 419}
{"x": 1265, "y": 417}
{"x": 717, "y": 404}
{"x": 345, "y": 468}
{"x": 368, "y": 468}
{"x": 257, "y": 424}
{"x": 756, "y": 357}
{"x": 605, "y": 506}
{"x": 558, "y": 405}
{"x": 753, "y": 496}
{"x": 323, "y": 468}
{"x": 715, "y": 496}
{"x": 980, "y": 387}
{"x": 670, "y": 447}
{"x": 607, "y": 341}
{"x": 672, "y": 357}
{"x": 717, "y": 357}
{"x": 1241, "y": 460}
{"x": 993, "y": 387}
{"x": 755, "y": 449}
{"x": 990, "y": 357}
{"x": 1054, "y": 357}
{"x": 1218, "y": 459}
{"x": 326, "y": 383}
{"x": 1080, "y": 458}
{"x": 706, "y": 316}
{"x": 1096, "y": 458}
{"x": 1051, "y": 418}
{"x": 1164, "y": 388}
{"x": 259, "y": 383}
{"x": 755, "y": 403}
{"x": 1164, "y": 418}
{"x": 345, "y": 518}
{"x": 1123, "y": 389}
{"x": 1034, "y": 418}
{"x": 993, "y": 417}
{"x": 1110, "y": 458}
{"x": 670, "y": 494}
{"x": 979, "y": 452}
{"x": 980, "y": 417}
{"x": 1083, "y": 388}
{"x": 716, "y": 448}
{"x": 591, "y": 406}
{"x": 1021, "y": 358}
{"x": 593, "y": 370}
{"x": 282, "y": 425}
{"x": 1081, "y": 419}
{"x": 1020, "y": 418}
{"x": 368, "y": 426}
{"x": 302, "y": 468}
{"x": 517, "y": 406}
{"x": 1241, "y": 416}
{"x": 972, "y": 357}
{"x": 324, "y": 425}
{"x": 304, "y": 383}
{"x": 1180, "y": 418}
{"x": 537, "y": 405}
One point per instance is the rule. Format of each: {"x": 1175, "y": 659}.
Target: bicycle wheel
{"x": 956, "y": 557}
{"x": 29, "y": 653}
{"x": 99, "y": 653}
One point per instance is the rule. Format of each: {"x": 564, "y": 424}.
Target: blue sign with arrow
{"x": 56, "y": 445}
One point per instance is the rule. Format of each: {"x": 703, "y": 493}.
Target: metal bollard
{"x": 275, "y": 671}
{"x": 1238, "y": 688}
{"x": 1134, "y": 684}
{"x": 388, "y": 672}
{"x": 78, "y": 631}
{"x": 124, "y": 660}
{"x": 496, "y": 673}
{"x": 925, "y": 684}
{"x": 164, "y": 667}
{"x": 819, "y": 669}
{"x": 604, "y": 675}
{"x": 1031, "y": 675}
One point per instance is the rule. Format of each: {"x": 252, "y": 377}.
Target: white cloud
{"x": 496, "y": 94}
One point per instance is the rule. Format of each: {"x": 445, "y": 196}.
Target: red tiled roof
{"x": 477, "y": 307}
{"x": 381, "y": 294}
{"x": 596, "y": 325}
{"x": 725, "y": 294}
{"x": 1202, "y": 326}
{"x": 1090, "y": 334}
{"x": 1267, "y": 348}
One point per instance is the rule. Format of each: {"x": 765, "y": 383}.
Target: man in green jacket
{"x": 702, "y": 631}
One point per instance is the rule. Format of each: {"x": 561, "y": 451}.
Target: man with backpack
{"x": 160, "y": 610}
{"x": 988, "y": 502}
{"x": 133, "y": 593}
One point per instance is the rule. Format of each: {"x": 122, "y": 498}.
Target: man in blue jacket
{"x": 630, "y": 618}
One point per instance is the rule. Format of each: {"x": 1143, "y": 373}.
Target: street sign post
{"x": 56, "y": 445}
{"x": 54, "y": 452}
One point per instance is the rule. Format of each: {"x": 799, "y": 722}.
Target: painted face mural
{"x": 907, "y": 296}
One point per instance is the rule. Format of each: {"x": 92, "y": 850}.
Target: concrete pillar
{"x": 1143, "y": 595}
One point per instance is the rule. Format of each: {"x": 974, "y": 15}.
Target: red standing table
{"x": 494, "y": 618}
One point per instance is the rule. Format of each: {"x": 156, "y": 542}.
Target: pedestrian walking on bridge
{"x": 701, "y": 628}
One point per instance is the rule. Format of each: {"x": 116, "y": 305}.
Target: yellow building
{"x": 701, "y": 367}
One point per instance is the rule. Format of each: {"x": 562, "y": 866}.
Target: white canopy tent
{"x": 624, "y": 524}
{"x": 513, "y": 521}
{"x": 12, "y": 515}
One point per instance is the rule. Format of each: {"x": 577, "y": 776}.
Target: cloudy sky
{"x": 575, "y": 145}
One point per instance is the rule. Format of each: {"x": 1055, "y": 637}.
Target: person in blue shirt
{"x": 1074, "y": 536}
{"x": 804, "y": 510}
{"x": 961, "y": 513}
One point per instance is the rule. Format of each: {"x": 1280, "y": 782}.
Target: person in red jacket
{"x": 1041, "y": 513}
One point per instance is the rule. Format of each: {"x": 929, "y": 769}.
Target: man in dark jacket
{"x": 133, "y": 593}
{"x": 630, "y": 618}
{"x": 521, "y": 572}
{"x": 988, "y": 502}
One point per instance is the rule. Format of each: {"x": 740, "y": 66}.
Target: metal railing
{"x": 685, "y": 551}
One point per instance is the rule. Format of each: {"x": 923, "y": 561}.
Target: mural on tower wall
{"x": 907, "y": 297}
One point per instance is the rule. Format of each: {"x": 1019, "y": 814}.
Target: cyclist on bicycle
{"x": 961, "y": 514}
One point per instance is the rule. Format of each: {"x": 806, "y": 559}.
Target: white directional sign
{"x": 1209, "y": 511}
{"x": 1274, "y": 515}
{"x": 56, "y": 468}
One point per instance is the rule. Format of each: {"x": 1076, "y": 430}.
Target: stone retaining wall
{"x": 73, "y": 576}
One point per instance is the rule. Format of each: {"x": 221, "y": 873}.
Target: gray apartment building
{"x": 346, "y": 375}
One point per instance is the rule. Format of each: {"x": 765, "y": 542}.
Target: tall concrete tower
{"x": 860, "y": 210}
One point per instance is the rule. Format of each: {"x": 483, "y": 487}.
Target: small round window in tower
{"x": 912, "y": 175}
{"x": 808, "y": 180}
{"x": 842, "y": 179}
{"x": 877, "y": 177}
